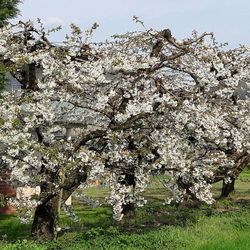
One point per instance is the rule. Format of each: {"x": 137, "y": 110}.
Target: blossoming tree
{"x": 143, "y": 101}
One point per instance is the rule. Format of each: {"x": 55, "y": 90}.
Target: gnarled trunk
{"x": 45, "y": 221}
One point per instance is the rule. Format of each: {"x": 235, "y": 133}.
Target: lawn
{"x": 224, "y": 225}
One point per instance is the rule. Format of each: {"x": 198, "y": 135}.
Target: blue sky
{"x": 228, "y": 19}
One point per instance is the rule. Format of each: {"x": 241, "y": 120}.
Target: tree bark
{"x": 227, "y": 188}
{"x": 45, "y": 220}
{"x": 44, "y": 225}
{"x": 128, "y": 211}
{"x": 129, "y": 208}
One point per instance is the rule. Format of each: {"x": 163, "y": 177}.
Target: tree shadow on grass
{"x": 147, "y": 218}
{"x": 150, "y": 217}
{"x": 243, "y": 203}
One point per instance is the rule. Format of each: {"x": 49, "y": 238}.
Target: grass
{"x": 11, "y": 227}
{"x": 218, "y": 231}
{"x": 224, "y": 225}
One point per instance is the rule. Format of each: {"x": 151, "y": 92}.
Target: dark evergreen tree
{"x": 8, "y": 9}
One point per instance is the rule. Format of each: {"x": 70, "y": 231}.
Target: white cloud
{"x": 53, "y": 21}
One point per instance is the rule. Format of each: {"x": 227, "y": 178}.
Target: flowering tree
{"x": 142, "y": 101}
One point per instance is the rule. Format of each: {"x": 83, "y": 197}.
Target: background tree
{"x": 8, "y": 10}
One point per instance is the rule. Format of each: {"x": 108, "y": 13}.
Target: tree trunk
{"x": 44, "y": 225}
{"x": 46, "y": 215}
{"x": 227, "y": 188}
{"x": 45, "y": 221}
{"x": 129, "y": 208}
{"x": 129, "y": 211}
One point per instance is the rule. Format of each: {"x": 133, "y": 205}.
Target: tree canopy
{"x": 141, "y": 102}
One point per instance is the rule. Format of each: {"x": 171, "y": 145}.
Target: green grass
{"x": 219, "y": 231}
{"x": 11, "y": 227}
{"x": 224, "y": 225}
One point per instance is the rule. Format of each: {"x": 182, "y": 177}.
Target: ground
{"x": 224, "y": 225}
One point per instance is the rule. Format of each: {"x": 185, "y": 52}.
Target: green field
{"x": 224, "y": 225}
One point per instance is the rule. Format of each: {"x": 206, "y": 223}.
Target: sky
{"x": 228, "y": 19}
